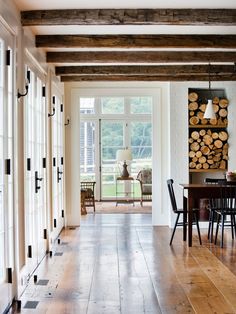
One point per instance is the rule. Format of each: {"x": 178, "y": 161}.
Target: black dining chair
{"x": 227, "y": 208}
{"x": 213, "y": 205}
{"x": 178, "y": 212}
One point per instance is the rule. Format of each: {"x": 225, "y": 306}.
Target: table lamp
{"x": 123, "y": 155}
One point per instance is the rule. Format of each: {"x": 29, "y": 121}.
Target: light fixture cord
{"x": 209, "y": 75}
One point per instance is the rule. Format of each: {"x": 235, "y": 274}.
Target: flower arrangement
{"x": 231, "y": 175}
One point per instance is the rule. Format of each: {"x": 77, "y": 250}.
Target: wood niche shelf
{"x": 207, "y": 170}
{"x": 208, "y": 138}
{"x": 204, "y": 126}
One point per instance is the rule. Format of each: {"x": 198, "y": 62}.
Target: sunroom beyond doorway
{"x": 108, "y": 124}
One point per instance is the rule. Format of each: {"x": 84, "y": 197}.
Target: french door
{"x": 6, "y": 167}
{"x": 57, "y": 165}
{"x": 35, "y": 172}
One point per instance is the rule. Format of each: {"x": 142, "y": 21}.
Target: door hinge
{"x": 9, "y": 275}
{"x": 8, "y": 57}
{"x": 8, "y": 166}
{"x": 44, "y": 91}
{"x": 29, "y": 251}
{"x": 28, "y": 164}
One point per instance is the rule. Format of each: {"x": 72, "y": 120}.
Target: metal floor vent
{"x": 42, "y": 282}
{"x": 58, "y": 254}
{"x": 31, "y": 304}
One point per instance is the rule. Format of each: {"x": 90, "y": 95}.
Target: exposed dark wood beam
{"x": 80, "y": 78}
{"x": 130, "y": 17}
{"x": 140, "y": 56}
{"x": 136, "y": 41}
{"x": 174, "y": 70}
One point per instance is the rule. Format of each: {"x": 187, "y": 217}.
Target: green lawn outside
{"x": 109, "y": 190}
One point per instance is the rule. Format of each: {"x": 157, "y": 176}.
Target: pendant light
{"x": 209, "y": 112}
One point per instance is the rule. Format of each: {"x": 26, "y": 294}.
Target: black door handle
{"x": 59, "y": 174}
{"x": 37, "y": 179}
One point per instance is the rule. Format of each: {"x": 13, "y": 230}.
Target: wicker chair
{"x": 88, "y": 188}
{"x": 145, "y": 179}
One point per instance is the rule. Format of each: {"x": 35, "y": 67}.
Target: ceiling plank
{"x": 80, "y": 78}
{"x": 129, "y": 17}
{"x": 139, "y": 56}
{"x": 174, "y": 70}
{"x": 136, "y": 41}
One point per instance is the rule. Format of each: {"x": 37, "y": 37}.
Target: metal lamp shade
{"x": 209, "y": 113}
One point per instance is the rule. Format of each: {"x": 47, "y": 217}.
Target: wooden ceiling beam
{"x": 173, "y": 70}
{"x": 136, "y": 41}
{"x": 129, "y": 17}
{"x": 80, "y": 78}
{"x": 140, "y": 56}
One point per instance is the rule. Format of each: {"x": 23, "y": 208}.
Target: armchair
{"x": 145, "y": 179}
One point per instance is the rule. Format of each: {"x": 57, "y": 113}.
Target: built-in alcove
{"x": 208, "y": 138}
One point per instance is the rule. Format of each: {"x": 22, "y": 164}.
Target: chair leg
{"x": 222, "y": 230}
{"x": 173, "y": 233}
{"x": 232, "y": 225}
{"x": 198, "y": 229}
{"x": 209, "y": 226}
{"x": 212, "y": 224}
{"x": 217, "y": 227}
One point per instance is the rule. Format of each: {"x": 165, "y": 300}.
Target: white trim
{"x": 160, "y": 115}
{"x": 35, "y": 64}
{"x": 8, "y": 28}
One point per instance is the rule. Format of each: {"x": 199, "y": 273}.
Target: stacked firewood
{"x": 208, "y": 147}
{"x": 197, "y": 109}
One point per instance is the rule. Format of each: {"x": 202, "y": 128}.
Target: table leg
{"x": 190, "y": 221}
{"x": 185, "y": 207}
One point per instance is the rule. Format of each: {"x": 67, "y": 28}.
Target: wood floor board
{"x": 120, "y": 264}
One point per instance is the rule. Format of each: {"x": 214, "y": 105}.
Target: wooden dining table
{"x": 192, "y": 193}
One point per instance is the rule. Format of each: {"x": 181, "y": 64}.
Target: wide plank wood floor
{"x": 121, "y": 264}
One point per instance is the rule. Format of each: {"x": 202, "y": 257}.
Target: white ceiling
{"x": 122, "y": 4}
{"x": 127, "y": 29}
{"x": 24, "y": 5}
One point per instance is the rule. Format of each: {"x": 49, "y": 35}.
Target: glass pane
{"x": 141, "y": 143}
{"x": 87, "y": 151}
{"x": 141, "y": 134}
{"x": 112, "y": 134}
{"x": 112, "y": 105}
{"x": 141, "y": 105}
{"x": 87, "y": 105}
{"x": 112, "y": 139}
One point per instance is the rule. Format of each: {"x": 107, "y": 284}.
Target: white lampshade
{"x": 209, "y": 113}
{"x": 123, "y": 155}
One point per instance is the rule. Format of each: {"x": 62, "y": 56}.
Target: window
{"x": 112, "y": 105}
{"x": 141, "y": 105}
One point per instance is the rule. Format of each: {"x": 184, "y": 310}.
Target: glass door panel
{"x": 112, "y": 139}
{"x": 35, "y": 174}
{"x": 87, "y": 151}
{"x": 6, "y": 172}
{"x": 57, "y": 167}
{"x": 141, "y": 145}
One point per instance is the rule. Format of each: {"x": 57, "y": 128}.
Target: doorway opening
{"x": 109, "y": 124}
